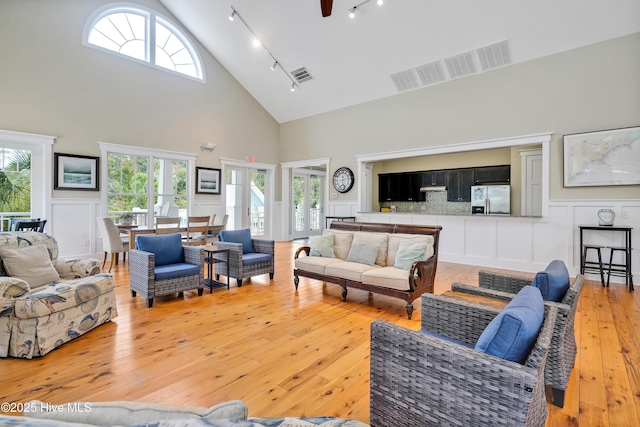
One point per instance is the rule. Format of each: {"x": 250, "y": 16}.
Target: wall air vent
{"x": 405, "y": 80}
{"x": 494, "y": 56}
{"x": 460, "y": 65}
{"x": 301, "y": 75}
{"x": 431, "y": 73}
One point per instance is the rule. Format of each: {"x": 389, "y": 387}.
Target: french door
{"x": 308, "y": 209}
{"x": 247, "y": 192}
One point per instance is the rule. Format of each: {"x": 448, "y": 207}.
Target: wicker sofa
{"x": 47, "y": 301}
{"x": 383, "y": 276}
{"x": 423, "y": 378}
{"x": 562, "y": 353}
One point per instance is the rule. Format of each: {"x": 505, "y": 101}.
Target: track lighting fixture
{"x": 258, "y": 43}
{"x": 352, "y": 11}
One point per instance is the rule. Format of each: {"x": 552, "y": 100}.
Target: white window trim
{"x": 41, "y": 160}
{"x": 108, "y": 147}
{"x": 151, "y": 14}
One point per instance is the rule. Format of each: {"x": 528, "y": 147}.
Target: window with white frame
{"x": 144, "y": 35}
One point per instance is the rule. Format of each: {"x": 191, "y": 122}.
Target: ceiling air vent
{"x": 405, "y": 80}
{"x": 301, "y": 75}
{"x": 460, "y": 65}
{"x": 431, "y": 73}
{"x": 494, "y": 56}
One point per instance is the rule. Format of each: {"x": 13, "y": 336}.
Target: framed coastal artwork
{"x": 207, "y": 181}
{"x": 74, "y": 172}
{"x": 606, "y": 157}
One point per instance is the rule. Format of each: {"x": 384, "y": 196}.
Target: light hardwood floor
{"x": 299, "y": 353}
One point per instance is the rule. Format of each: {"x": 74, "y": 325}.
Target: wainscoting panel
{"x": 73, "y": 225}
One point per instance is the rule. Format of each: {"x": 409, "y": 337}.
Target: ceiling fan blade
{"x": 326, "y": 5}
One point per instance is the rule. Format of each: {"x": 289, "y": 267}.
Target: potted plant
{"x": 126, "y": 218}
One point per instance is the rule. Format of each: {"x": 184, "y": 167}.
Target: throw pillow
{"x": 167, "y": 248}
{"x": 363, "y": 253}
{"x": 322, "y": 246}
{"x": 31, "y": 264}
{"x": 513, "y": 332}
{"x": 238, "y": 236}
{"x": 408, "y": 253}
{"x": 553, "y": 282}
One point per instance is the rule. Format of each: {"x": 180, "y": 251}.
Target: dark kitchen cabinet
{"x": 400, "y": 187}
{"x": 492, "y": 175}
{"x": 434, "y": 178}
{"x": 459, "y": 182}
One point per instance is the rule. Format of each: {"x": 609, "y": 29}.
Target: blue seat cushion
{"x": 238, "y": 236}
{"x": 167, "y": 248}
{"x": 553, "y": 282}
{"x": 255, "y": 258}
{"x": 171, "y": 271}
{"x": 513, "y": 332}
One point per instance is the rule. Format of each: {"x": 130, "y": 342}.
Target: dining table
{"x": 134, "y": 231}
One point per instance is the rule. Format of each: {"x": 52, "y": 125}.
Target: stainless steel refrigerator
{"x": 491, "y": 199}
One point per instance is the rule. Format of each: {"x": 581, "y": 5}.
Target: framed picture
{"x": 73, "y": 172}
{"x": 606, "y": 157}
{"x": 207, "y": 181}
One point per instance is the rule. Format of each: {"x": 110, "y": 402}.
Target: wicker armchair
{"x": 562, "y": 354}
{"x": 153, "y": 273}
{"x": 425, "y": 380}
{"x": 245, "y": 262}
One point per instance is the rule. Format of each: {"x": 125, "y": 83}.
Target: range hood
{"x": 433, "y": 188}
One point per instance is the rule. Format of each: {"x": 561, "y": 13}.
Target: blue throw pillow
{"x": 238, "y": 236}
{"x": 166, "y": 247}
{"x": 553, "y": 282}
{"x": 512, "y": 333}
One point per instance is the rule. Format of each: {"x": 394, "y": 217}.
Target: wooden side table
{"x": 210, "y": 259}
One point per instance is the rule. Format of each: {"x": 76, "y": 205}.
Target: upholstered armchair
{"x": 162, "y": 266}
{"x": 557, "y": 290}
{"x": 437, "y": 377}
{"x": 248, "y": 257}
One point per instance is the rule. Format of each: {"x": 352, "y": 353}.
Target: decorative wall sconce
{"x": 208, "y": 146}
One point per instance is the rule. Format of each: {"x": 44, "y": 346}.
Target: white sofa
{"x": 46, "y": 301}
{"x": 366, "y": 256}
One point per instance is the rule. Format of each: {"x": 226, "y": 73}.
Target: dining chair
{"x": 215, "y": 229}
{"x": 14, "y": 221}
{"x": 197, "y": 230}
{"x": 112, "y": 241}
{"x": 31, "y": 225}
{"x": 167, "y": 225}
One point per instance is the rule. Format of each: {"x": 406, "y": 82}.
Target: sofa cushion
{"x": 513, "y": 332}
{"x": 31, "y": 264}
{"x": 256, "y": 258}
{"x": 408, "y": 253}
{"x": 322, "y": 246}
{"x": 363, "y": 253}
{"x": 381, "y": 240}
{"x": 387, "y": 277}
{"x": 341, "y": 242}
{"x": 171, "y": 271}
{"x": 129, "y": 413}
{"x": 23, "y": 239}
{"x": 167, "y": 248}
{"x": 59, "y": 296}
{"x": 553, "y": 282}
{"x": 314, "y": 264}
{"x": 238, "y": 236}
{"x": 396, "y": 239}
{"x": 348, "y": 270}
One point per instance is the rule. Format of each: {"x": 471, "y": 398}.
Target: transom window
{"x": 132, "y": 31}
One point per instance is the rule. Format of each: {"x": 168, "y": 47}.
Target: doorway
{"x": 247, "y": 195}
{"x": 308, "y": 202}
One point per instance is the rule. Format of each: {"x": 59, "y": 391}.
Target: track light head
{"x": 352, "y": 12}
{"x": 232, "y": 16}
{"x": 380, "y": 2}
{"x": 293, "y": 87}
{"x": 273, "y": 67}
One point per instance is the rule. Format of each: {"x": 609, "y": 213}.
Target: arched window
{"x": 144, "y": 35}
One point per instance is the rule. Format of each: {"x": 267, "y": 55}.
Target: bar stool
{"x": 621, "y": 270}
{"x": 592, "y": 266}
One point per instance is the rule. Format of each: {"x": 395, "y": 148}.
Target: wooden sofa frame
{"x": 421, "y": 275}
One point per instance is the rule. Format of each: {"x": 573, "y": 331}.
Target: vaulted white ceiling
{"x": 351, "y": 60}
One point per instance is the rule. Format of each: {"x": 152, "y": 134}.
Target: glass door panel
{"x": 246, "y": 191}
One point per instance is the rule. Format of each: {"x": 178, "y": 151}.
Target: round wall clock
{"x": 343, "y": 179}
